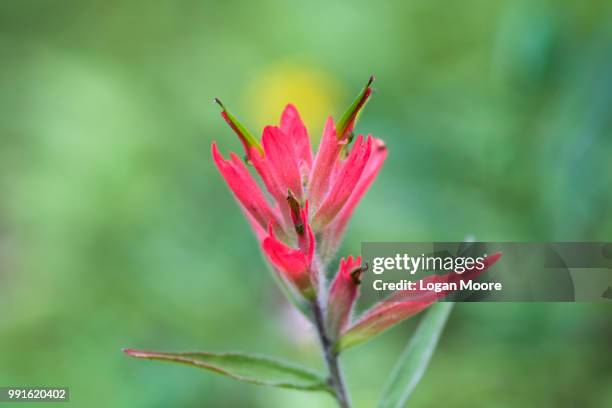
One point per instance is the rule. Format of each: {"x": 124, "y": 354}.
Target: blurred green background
{"x": 116, "y": 230}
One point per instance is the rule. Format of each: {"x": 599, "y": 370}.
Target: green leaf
{"x": 412, "y": 363}
{"x": 244, "y": 367}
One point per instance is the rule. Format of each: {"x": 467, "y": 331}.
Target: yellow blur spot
{"x": 313, "y": 91}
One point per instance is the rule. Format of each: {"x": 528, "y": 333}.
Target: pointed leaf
{"x": 244, "y": 367}
{"x": 414, "y": 360}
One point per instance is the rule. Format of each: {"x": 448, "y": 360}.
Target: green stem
{"x": 336, "y": 380}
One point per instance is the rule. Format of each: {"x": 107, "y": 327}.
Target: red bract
{"x": 343, "y": 293}
{"x": 245, "y": 189}
{"x": 295, "y": 265}
{"x": 344, "y": 182}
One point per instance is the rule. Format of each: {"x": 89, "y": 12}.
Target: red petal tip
{"x": 493, "y": 258}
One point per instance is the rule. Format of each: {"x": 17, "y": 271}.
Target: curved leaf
{"x": 414, "y": 360}
{"x": 244, "y": 367}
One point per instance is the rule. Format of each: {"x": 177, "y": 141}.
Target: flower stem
{"x": 331, "y": 358}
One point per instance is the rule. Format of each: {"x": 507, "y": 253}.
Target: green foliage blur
{"x": 117, "y": 231}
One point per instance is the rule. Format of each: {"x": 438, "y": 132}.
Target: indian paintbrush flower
{"x": 309, "y": 198}
{"x": 299, "y": 221}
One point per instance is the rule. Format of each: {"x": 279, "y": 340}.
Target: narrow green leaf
{"x": 412, "y": 363}
{"x": 244, "y": 367}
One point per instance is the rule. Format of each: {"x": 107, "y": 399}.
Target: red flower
{"x": 332, "y": 184}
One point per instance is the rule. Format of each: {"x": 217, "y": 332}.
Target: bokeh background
{"x": 116, "y": 230}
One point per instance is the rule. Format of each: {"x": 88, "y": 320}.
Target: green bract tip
{"x": 345, "y": 125}
{"x": 245, "y": 136}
